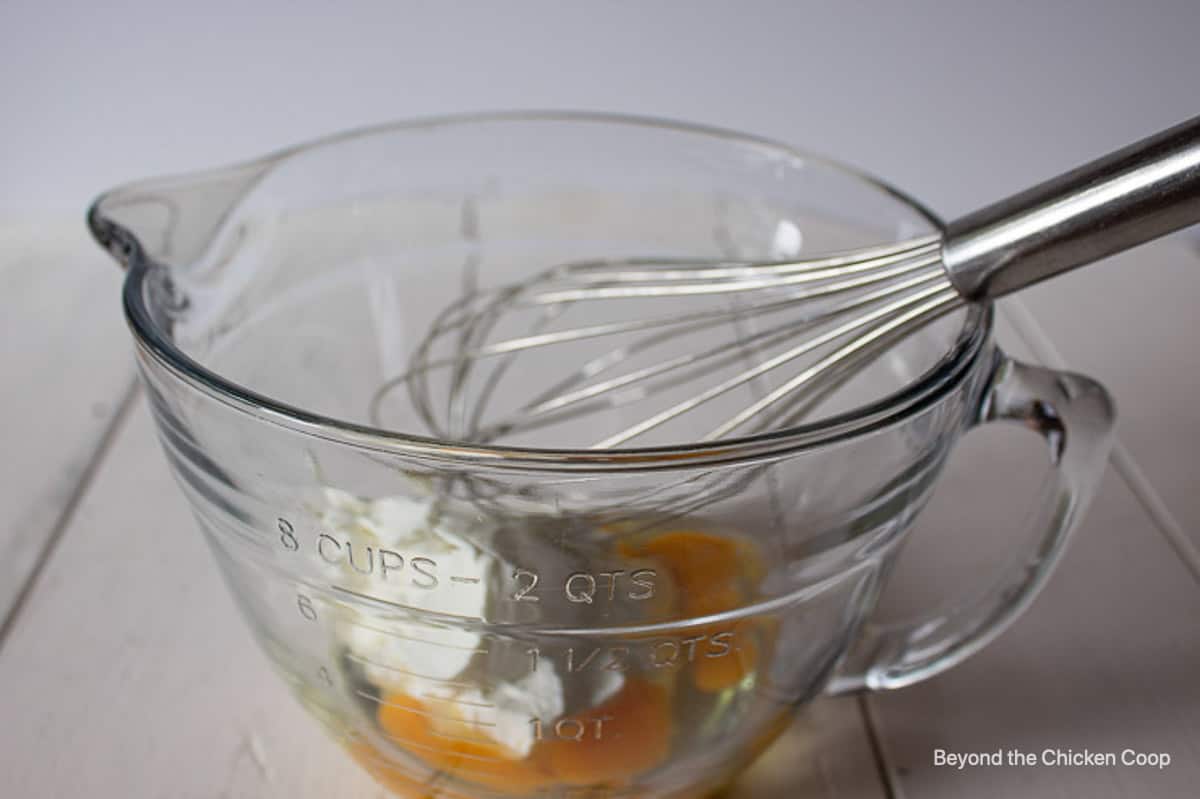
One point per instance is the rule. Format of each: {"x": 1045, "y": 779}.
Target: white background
{"x": 958, "y": 103}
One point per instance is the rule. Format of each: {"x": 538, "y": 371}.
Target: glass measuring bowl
{"x": 530, "y": 618}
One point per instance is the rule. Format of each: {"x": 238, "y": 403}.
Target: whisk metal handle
{"x": 1128, "y": 197}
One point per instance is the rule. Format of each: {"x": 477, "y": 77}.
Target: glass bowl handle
{"x": 1075, "y": 416}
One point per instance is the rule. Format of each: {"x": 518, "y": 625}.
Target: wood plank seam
{"x": 97, "y": 459}
{"x": 883, "y": 763}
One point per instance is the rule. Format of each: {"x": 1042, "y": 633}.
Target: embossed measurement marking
{"x": 468, "y": 756}
{"x": 425, "y": 713}
{"x": 669, "y": 653}
{"x": 571, "y": 729}
{"x": 417, "y": 570}
{"x": 438, "y": 680}
{"x": 412, "y": 570}
{"x": 463, "y": 738}
{"x": 337, "y": 589}
{"x": 454, "y": 701}
{"x": 458, "y": 647}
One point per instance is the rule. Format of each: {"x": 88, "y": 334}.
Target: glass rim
{"x": 950, "y": 369}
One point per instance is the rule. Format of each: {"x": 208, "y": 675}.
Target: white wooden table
{"x": 125, "y": 672}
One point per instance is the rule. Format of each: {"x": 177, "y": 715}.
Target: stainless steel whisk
{"x": 831, "y": 314}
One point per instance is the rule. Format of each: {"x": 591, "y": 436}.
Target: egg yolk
{"x": 635, "y": 739}
{"x": 611, "y": 743}
{"x": 709, "y": 572}
{"x": 633, "y": 735}
{"x": 458, "y": 748}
